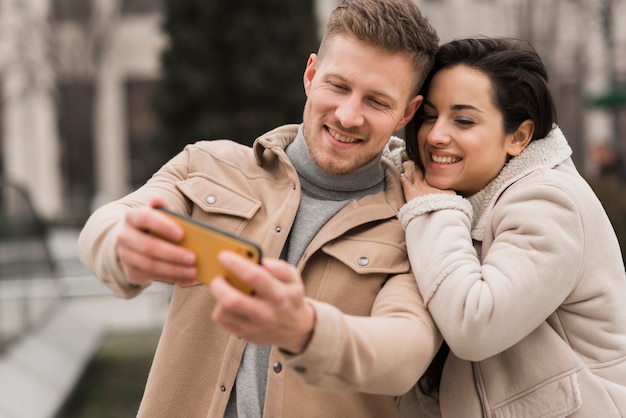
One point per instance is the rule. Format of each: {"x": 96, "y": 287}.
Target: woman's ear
{"x": 519, "y": 139}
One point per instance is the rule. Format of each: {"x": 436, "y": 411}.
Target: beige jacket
{"x": 535, "y": 311}
{"x": 373, "y": 337}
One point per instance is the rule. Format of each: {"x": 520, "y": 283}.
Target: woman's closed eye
{"x": 464, "y": 122}
{"x": 429, "y": 117}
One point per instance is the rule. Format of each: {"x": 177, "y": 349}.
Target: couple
{"x": 508, "y": 254}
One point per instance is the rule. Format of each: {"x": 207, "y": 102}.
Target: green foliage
{"x": 114, "y": 382}
{"x": 613, "y": 98}
{"x": 233, "y": 69}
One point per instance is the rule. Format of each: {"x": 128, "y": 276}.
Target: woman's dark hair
{"x": 518, "y": 78}
{"x": 519, "y": 82}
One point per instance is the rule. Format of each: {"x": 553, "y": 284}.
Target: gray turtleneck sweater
{"x": 323, "y": 195}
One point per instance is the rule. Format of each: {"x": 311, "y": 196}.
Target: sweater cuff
{"x": 433, "y": 202}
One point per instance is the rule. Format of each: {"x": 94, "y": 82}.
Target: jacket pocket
{"x": 213, "y": 197}
{"x": 367, "y": 256}
{"x": 537, "y": 377}
{"x": 218, "y": 204}
{"x": 349, "y": 273}
{"x": 557, "y": 398}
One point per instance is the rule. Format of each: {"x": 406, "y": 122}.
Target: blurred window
{"x": 75, "y": 115}
{"x": 73, "y": 10}
{"x": 130, "y": 7}
{"x": 146, "y": 155}
{"x": 1, "y": 136}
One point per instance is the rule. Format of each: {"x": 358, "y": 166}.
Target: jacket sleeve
{"x": 399, "y": 332}
{"x": 485, "y": 303}
{"x": 98, "y": 237}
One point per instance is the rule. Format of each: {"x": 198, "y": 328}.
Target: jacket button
{"x": 223, "y": 388}
{"x": 278, "y": 229}
{"x": 277, "y": 367}
{"x": 211, "y": 199}
{"x": 363, "y": 261}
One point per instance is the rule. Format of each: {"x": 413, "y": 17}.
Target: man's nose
{"x": 350, "y": 113}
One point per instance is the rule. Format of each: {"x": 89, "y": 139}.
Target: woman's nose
{"x": 437, "y": 134}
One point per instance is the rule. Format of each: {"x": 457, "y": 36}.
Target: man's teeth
{"x": 440, "y": 159}
{"x": 342, "y": 138}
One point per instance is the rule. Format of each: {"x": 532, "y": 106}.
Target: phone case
{"x": 207, "y": 241}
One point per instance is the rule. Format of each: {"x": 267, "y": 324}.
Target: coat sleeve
{"x": 98, "y": 237}
{"x": 485, "y": 303}
{"x": 366, "y": 351}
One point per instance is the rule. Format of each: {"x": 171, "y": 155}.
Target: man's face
{"x": 357, "y": 96}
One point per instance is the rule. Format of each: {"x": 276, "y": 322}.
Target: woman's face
{"x": 462, "y": 142}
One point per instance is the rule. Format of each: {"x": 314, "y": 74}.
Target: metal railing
{"x": 29, "y": 286}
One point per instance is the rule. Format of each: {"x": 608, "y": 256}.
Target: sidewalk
{"x": 39, "y": 371}
{"x": 82, "y": 289}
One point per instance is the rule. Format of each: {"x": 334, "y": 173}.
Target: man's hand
{"x": 145, "y": 257}
{"x": 277, "y": 314}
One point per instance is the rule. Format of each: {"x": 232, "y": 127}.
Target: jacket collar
{"x": 275, "y": 139}
{"x": 547, "y": 152}
{"x": 374, "y": 207}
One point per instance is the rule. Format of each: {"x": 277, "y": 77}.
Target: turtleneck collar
{"x": 315, "y": 180}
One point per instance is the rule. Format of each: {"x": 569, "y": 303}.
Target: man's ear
{"x": 309, "y": 72}
{"x": 518, "y": 140}
{"x": 409, "y": 111}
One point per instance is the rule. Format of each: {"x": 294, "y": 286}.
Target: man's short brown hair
{"x": 395, "y": 26}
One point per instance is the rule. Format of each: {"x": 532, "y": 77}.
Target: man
{"x": 336, "y": 326}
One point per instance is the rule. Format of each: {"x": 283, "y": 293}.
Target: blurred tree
{"x": 577, "y": 60}
{"x": 233, "y": 69}
{"x": 610, "y": 186}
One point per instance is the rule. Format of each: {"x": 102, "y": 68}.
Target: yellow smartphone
{"x": 207, "y": 241}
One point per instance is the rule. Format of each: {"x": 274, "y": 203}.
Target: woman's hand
{"x": 414, "y": 184}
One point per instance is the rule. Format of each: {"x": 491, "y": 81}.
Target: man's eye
{"x": 379, "y": 104}
{"x": 338, "y": 86}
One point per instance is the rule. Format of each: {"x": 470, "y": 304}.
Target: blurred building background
{"x": 95, "y": 95}
{"x": 78, "y": 77}
{"x": 583, "y": 44}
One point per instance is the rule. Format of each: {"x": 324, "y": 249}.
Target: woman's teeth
{"x": 440, "y": 159}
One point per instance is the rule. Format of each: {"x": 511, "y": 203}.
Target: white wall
{"x": 29, "y": 130}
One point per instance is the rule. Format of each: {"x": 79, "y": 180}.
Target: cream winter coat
{"x": 529, "y": 292}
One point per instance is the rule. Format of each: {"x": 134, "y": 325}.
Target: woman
{"x": 513, "y": 253}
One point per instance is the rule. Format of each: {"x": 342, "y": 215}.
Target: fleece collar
{"x": 547, "y": 152}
